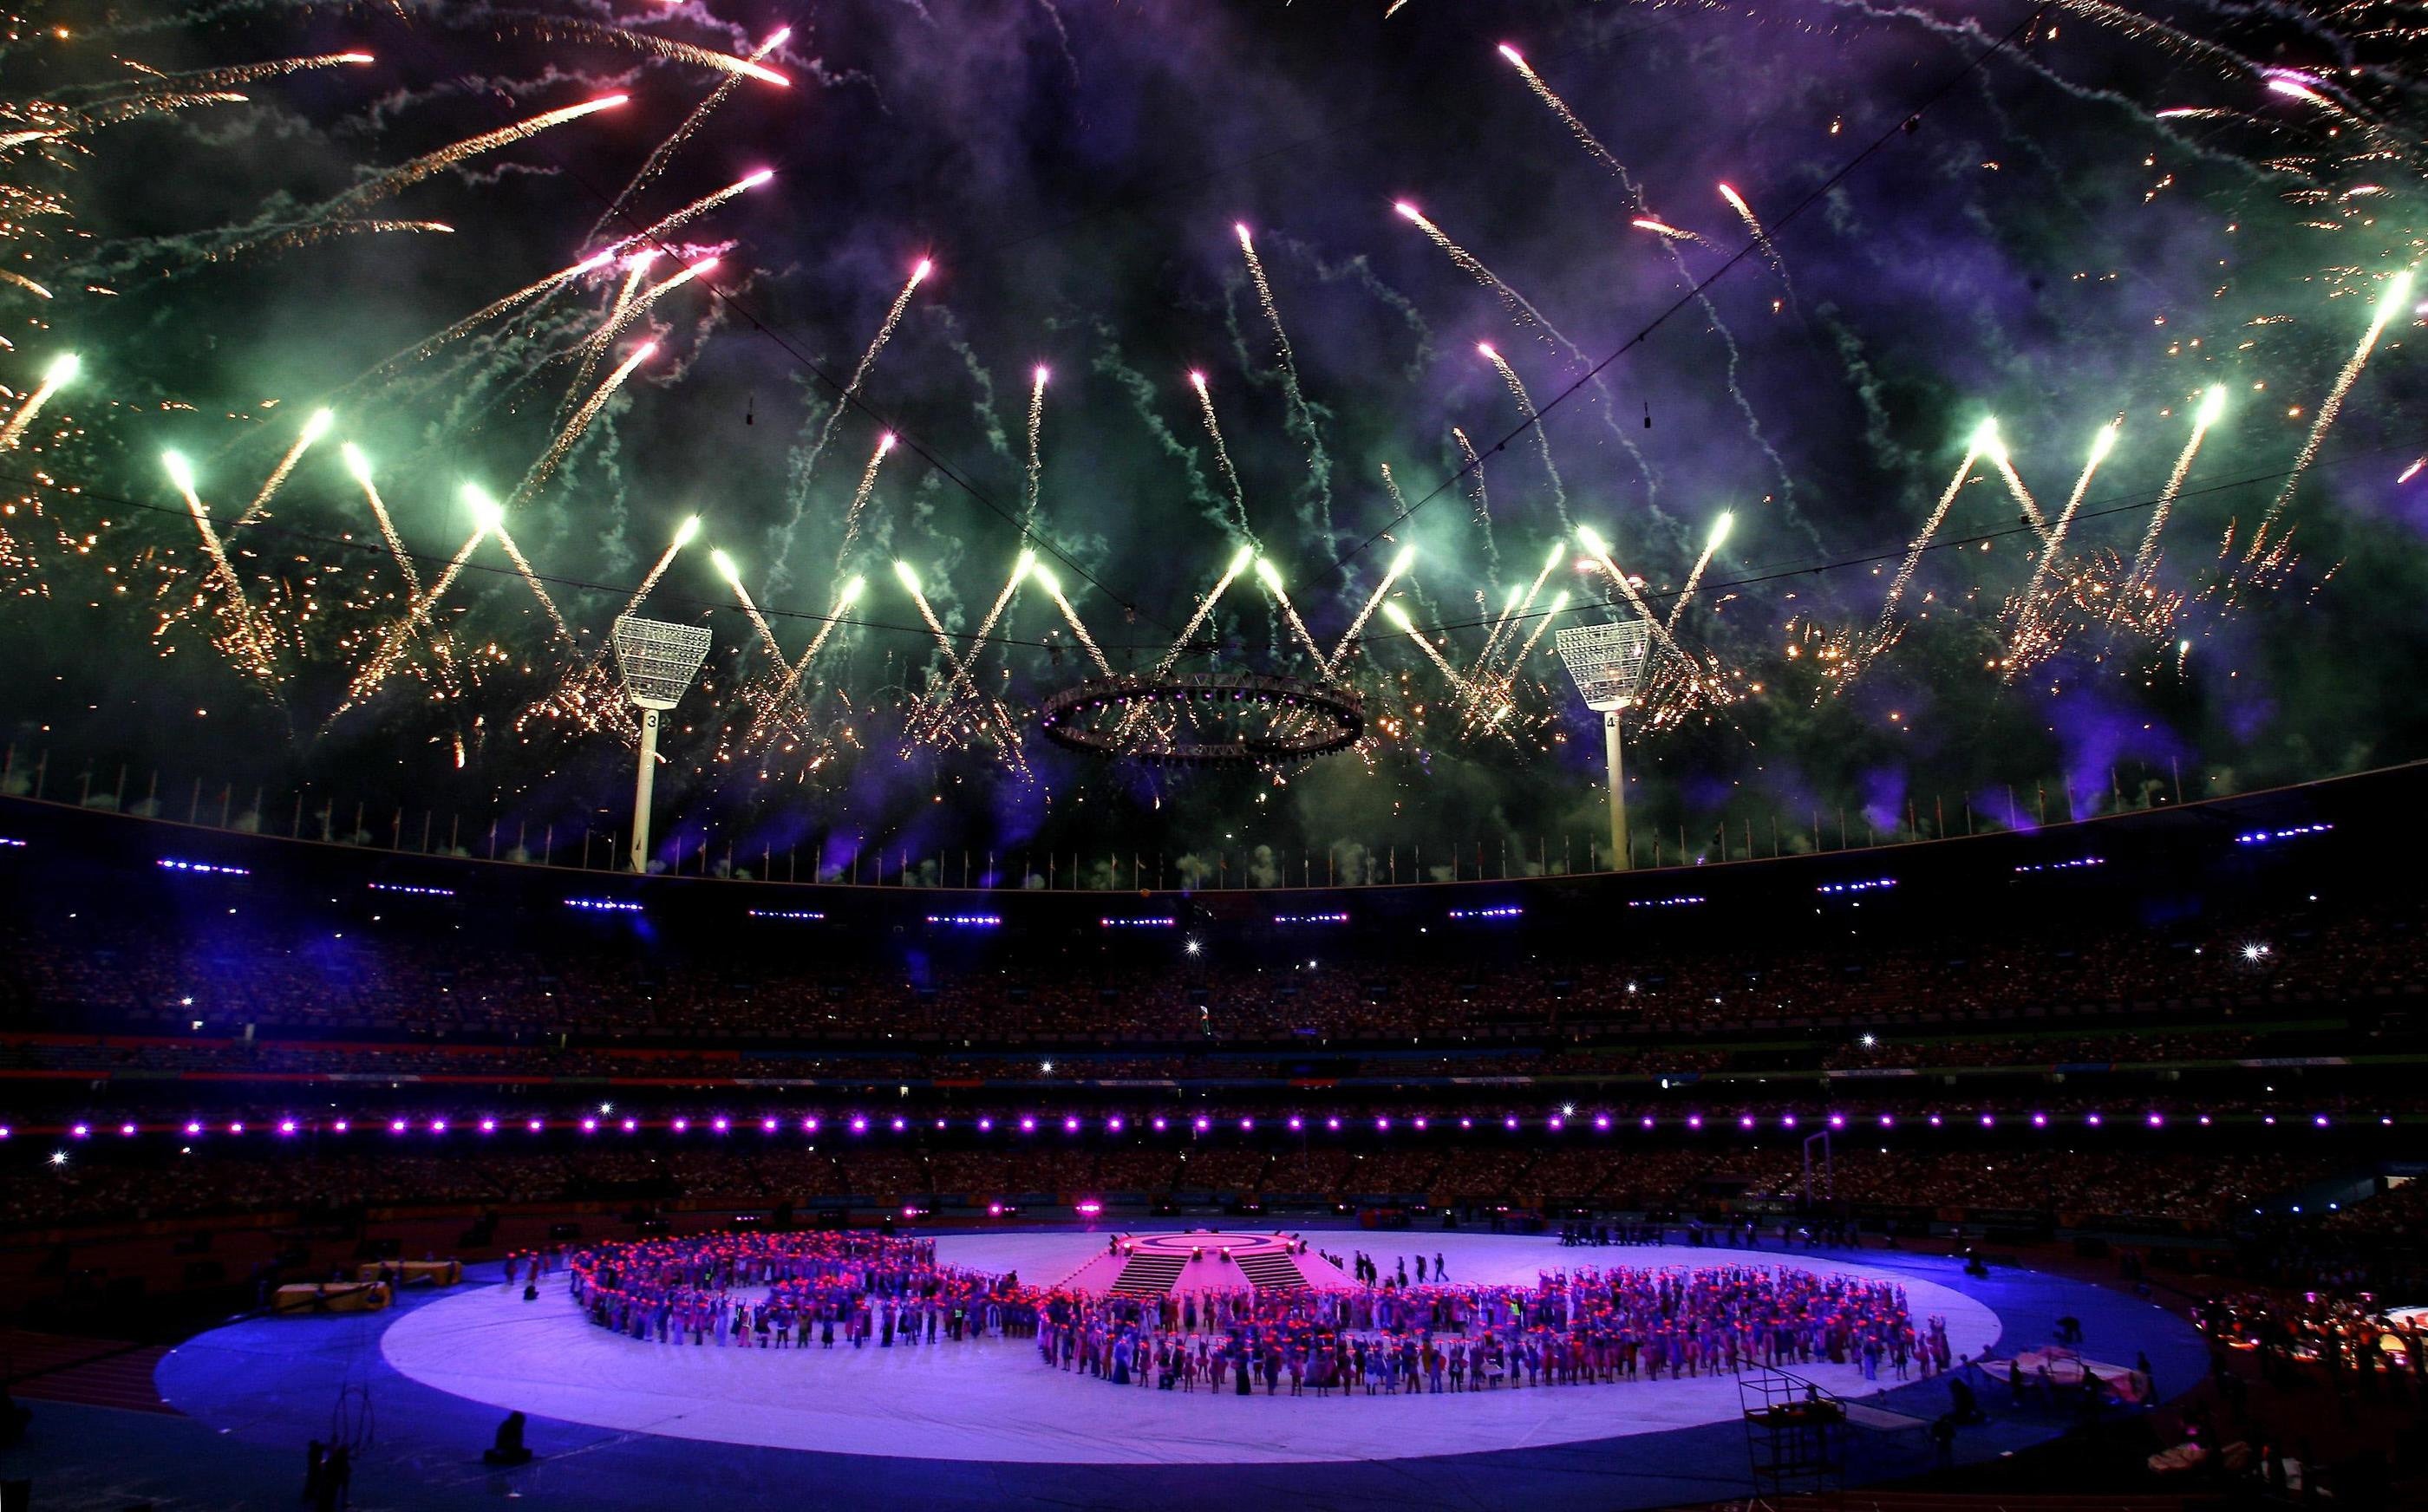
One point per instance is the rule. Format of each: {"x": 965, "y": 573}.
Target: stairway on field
{"x": 1149, "y": 1274}
{"x": 91, "y": 1371}
{"x": 1270, "y": 1271}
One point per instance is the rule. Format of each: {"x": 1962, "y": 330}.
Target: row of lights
{"x": 210, "y": 868}
{"x": 1506, "y": 911}
{"x": 603, "y": 905}
{"x": 1310, "y": 918}
{"x": 2266, "y": 837}
{"x": 2077, "y": 863}
{"x": 1878, "y": 884}
{"x": 796, "y": 916}
{"x": 1113, "y": 1123}
{"x": 1682, "y": 900}
{"x": 413, "y": 890}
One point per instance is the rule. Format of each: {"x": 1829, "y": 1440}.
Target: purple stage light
{"x": 2156, "y": 1120}
{"x": 986, "y": 1125}
{"x": 2040, "y": 1121}
{"x": 1332, "y": 1124}
{"x": 1114, "y": 1123}
{"x": 630, "y": 1125}
{"x": 1383, "y": 1124}
{"x": 603, "y": 905}
{"x": 193, "y": 1127}
{"x": 899, "y": 1126}
{"x": 720, "y": 1125}
{"x": 489, "y": 1126}
{"x": 682, "y": 1125}
{"x": 126, "y": 1131}
{"x": 1027, "y": 1124}
{"x": 2204, "y": 1121}
{"x": 395, "y": 1126}
{"x": 1989, "y": 1120}
{"x": 1648, "y": 1121}
{"x": 1934, "y": 1120}
{"x": 809, "y": 1126}
{"x": 1467, "y": 1123}
{"x": 590, "y": 1125}
{"x": 1556, "y": 1123}
{"x": 1744, "y": 1121}
{"x": 1787, "y": 1121}
{"x": 1202, "y": 1124}
{"x": 2091, "y": 1119}
{"x": 1296, "y": 1122}
{"x": 1694, "y": 1121}
{"x": 340, "y": 1126}
{"x": 286, "y": 1126}
{"x": 766, "y": 1125}
{"x": 859, "y": 1125}
{"x": 1837, "y": 1121}
{"x": 235, "y": 1127}
{"x": 1888, "y": 1121}
{"x": 82, "y": 1131}
{"x": 1420, "y": 1122}
{"x": 439, "y": 1126}
{"x": 1091, "y": 1208}
{"x": 1069, "y": 1125}
{"x": 1509, "y": 911}
{"x": 209, "y": 868}
{"x": 535, "y": 1125}
{"x": 1601, "y": 1121}
{"x": 1158, "y": 1123}
{"x": 1246, "y": 1124}
{"x": 2319, "y": 1120}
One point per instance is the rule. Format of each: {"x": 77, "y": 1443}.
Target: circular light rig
{"x": 1204, "y": 718}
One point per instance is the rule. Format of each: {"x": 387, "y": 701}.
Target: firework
{"x": 1300, "y": 416}
{"x": 1398, "y": 618}
{"x": 491, "y": 311}
{"x": 2145, "y": 560}
{"x": 1518, "y": 304}
{"x": 314, "y": 428}
{"x": 1036, "y": 454}
{"x": 252, "y": 643}
{"x": 545, "y": 466}
{"x": 549, "y": 27}
{"x": 1533, "y": 423}
{"x": 658, "y": 159}
{"x": 1559, "y": 607}
{"x": 1221, "y": 454}
{"x": 1206, "y": 605}
{"x": 683, "y": 536}
{"x": 1400, "y": 565}
{"x": 1694, "y": 579}
{"x": 1053, "y": 589}
{"x": 359, "y": 466}
{"x": 849, "y": 595}
{"x": 1473, "y": 462}
{"x": 21, "y": 281}
{"x": 2101, "y": 445}
{"x": 1663, "y": 228}
{"x": 777, "y": 573}
{"x": 489, "y": 511}
{"x": 1271, "y": 578}
{"x": 732, "y": 573}
{"x": 860, "y": 495}
{"x": 2398, "y": 290}
{"x": 1984, "y": 437}
{"x": 1521, "y": 601}
{"x": 445, "y": 158}
{"x": 375, "y": 667}
{"x": 649, "y": 235}
{"x": 214, "y": 78}
{"x": 1600, "y": 551}
{"x": 1761, "y": 237}
{"x": 2014, "y": 482}
{"x": 1020, "y": 570}
{"x": 633, "y": 308}
{"x": 61, "y": 371}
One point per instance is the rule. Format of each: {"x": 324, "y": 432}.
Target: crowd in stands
{"x": 82, "y": 970}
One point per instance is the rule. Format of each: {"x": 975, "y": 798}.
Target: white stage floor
{"x": 993, "y": 1400}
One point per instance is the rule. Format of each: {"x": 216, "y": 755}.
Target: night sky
{"x": 1966, "y": 213}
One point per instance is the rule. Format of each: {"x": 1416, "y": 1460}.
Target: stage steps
{"x": 97, "y": 1372}
{"x": 1149, "y": 1274}
{"x": 1268, "y": 1271}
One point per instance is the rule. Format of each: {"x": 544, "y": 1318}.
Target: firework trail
{"x": 1600, "y": 551}
{"x": 1400, "y": 565}
{"x": 621, "y": 311}
{"x": 547, "y": 28}
{"x": 1398, "y": 618}
{"x": 1483, "y": 502}
{"x": 1036, "y": 452}
{"x": 314, "y": 428}
{"x": 1533, "y": 423}
{"x": 135, "y": 106}
{"x": 252, "y": 643}
{"x": 233, "y": 73}
{"x": 657, "y": 161}
{"x": 1502, "y": 685}
{"x": 1982, "y": 438}
{"x": 732, "y": 573}
{"x": 413, "y": 171}
{"x": 851, "y": 516}
{"x": 961, "y": 676}
{"x": 1318, "y": 464}
{"x": 545, "y": 466}
{"x": 1636, "y": 203}
{"x": 1271, "y": 578}
{"x": 2014, "y": 480}
{"x": 849, "y": 595}
{"x": 1053, "y": 589}
{"x": 522, "y": 565}
{"x": 2397, "y": 291}
{"x": 632, "y": 309}
{"x": 651, "y": 234}
{"x": 376, "y": 666}
{"x": 1520, "y": 603}
{"x": 1221, "y": 454}
{"x": 491, "y": 311}
{"x": 61, "y": 373}
{"x": 1559, "y": 607}
{"x": 1206, "y": 605}
{"x": 360, "y": 466}
{"x": 683, "y": 536}
{"x": 1663, "y": 228}
{"x": 2031, "y": 634}
{"x": 1516, "y": 304}
{"x": 777, "y": 575}
{"x": 1761, "y": 237}
{"x": 1694, "y": 579}
{"x": 1391, "y": 486}
{"x": 312, "y": 232}
{"x": 2145, "y": 560}
{"x": 935, "y": 705}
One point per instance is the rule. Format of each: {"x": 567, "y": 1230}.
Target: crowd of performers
{"x": 1573, "y": 1326}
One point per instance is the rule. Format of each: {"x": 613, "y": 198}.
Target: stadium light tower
{"x": 1606, "y": 661}
{"x": 657, "y": 661}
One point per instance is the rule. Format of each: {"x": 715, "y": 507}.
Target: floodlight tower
{"x": 1606, "y": 661}
{"x": 657, "y": 661}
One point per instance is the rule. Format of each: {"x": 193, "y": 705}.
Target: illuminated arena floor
{"x": 617, "y": 1425}
{"x": 994, "y": 1400}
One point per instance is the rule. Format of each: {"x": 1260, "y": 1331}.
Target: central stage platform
{"x": 1205, "y": 1259}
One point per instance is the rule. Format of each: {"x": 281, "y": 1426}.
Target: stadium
{"x": 1585, "y": 756}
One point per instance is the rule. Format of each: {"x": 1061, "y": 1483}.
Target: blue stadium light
{"x": 1140, "y": 921}
{"x": 1310, "y": 918}
{"x": 966, "y": 921}
{"x": 205, "y": 868}
{"x": 2269, "y": 837}
{"x": 603, "y": 905}
{"x": 1508, "y": 911}
{"x": 2077, "y": 863}
{"x": 1878, "y": 884}
{"x": 411, "y": 890}
{"x": 12, "y": 842}
{"x": 792, "y": 915}
{"x": 1680, "y": 901}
